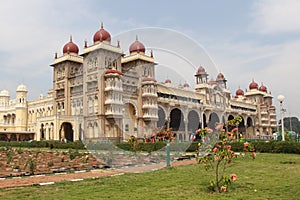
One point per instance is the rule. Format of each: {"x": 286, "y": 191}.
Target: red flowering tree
{"x": 219, "y": 156}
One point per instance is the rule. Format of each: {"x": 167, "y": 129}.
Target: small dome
{"x": 21, "y": 88}
{"x": 4, "y": 93}
{"x": 186, "y": 85}
{"x": 70, "y": 47}
{"x": 168, "y": 81}
{"x": 239, "y": 92}
{"x": 253, "y": 85}
{"x": 137, "y": 47}
{"x": 220, "y": 76}
{"x": 200, "y": 70}
{"x": 102, "y": 35}
{"x": 113, "y": 71}
{"x": 263, "y": 88}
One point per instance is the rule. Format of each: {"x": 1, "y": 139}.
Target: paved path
{"x": 78, "y": 176}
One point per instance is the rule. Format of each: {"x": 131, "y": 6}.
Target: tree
{"x": 291, "y": 124}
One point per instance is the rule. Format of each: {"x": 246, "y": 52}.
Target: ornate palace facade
{"x": 104, "y": 94}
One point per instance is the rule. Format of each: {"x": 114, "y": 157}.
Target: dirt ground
{"x": 50, "y": 179}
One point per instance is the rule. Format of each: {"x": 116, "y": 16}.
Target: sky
{"x": 245, "y": 40}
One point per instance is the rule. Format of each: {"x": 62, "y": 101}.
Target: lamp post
{"x": 281, "y": 98}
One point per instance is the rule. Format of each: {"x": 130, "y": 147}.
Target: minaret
{"x": 20, "y": 118}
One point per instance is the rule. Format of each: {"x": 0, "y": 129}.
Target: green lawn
{"x": 270, "y": 176}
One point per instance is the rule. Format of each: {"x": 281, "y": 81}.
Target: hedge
{"x": 260, "y": 146}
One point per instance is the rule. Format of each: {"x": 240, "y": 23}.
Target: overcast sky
{"x": 245, "y": 40}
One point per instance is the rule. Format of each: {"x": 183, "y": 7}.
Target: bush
{"x": 260, "y": 146}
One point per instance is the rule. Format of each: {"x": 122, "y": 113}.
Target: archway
{"x": 242, "y": 128}
{"x": 250, "y": 127}
{"x": 176, "y": 120}
{"x": 213, "y": 120}
{"x": 230, "y": 117}
{"x": 161, "y": 118}
{"x": 204, "y": 120}
{"x": 66, "y": 131}
{"x": 193, "y": 121}
{"x": 42, "y": 131}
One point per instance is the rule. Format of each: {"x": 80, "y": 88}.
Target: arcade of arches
{"x": 184, "y": 123}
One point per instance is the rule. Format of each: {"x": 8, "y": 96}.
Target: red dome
{"x": 239, "y": 92}
{"x": 168, "y": 81}
{"x": 186, "y": 85}
{"x": 137, "y": 47}
{"x": 253, "y": 85}
{"x": 201, "y": 70}
{"x": 220, "y": 76}
{"x": 70, "y": 47}
{"x": 263, "y": 88}
{"x": 102, "y": 35}
{"x": 113, "y": 71}
{"x": 148, "y": 79}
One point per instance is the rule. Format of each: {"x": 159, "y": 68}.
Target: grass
{"x": 270, "y": 176}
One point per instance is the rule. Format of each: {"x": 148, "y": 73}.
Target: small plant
{"x": 134, "y": 144}
{"x": 9, "y": 156}
{"x": 32, "y": 165}
{"x": 86, "y": 159}
{"x": 16, "y": 167}
{"x": 20, "y": 150}
{"x": 50, "y": 164}
{"x": 74, "y": 154}
{"x": 220, "y": 156}
{"x": 37, "y": 153}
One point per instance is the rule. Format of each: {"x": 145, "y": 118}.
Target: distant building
{"x": 104, "y": 94}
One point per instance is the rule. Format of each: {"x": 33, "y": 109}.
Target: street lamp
{"x": 281, "y": 98}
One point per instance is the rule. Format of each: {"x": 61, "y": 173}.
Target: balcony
{"x": 147, "y": 117}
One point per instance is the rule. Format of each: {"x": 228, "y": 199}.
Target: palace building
{"x": 101, "y": 93}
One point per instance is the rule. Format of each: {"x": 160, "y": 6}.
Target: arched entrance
{"x": 42, "y": 131}
{"x": 204, "y": 121}
{"x": 242, "y": 128}
{"x": 213, "y": 120}
{"x": 250, "y": 127}
{"x": 176, "y": 120}
{"x": 193, "y": 121}
{"x": 66, "y": 132}
{"x": 161, "y": 118}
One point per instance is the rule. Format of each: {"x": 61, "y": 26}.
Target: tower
{"x": 20, "y": 118}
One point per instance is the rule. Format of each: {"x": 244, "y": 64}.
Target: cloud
{"x": 276, "y": 16}
{"x": 32, "y": 31}
{"x": 274, "y": 65}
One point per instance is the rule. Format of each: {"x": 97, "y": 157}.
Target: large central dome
{"x": 137, "y": 47}
{"x": 102, "y": 35}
